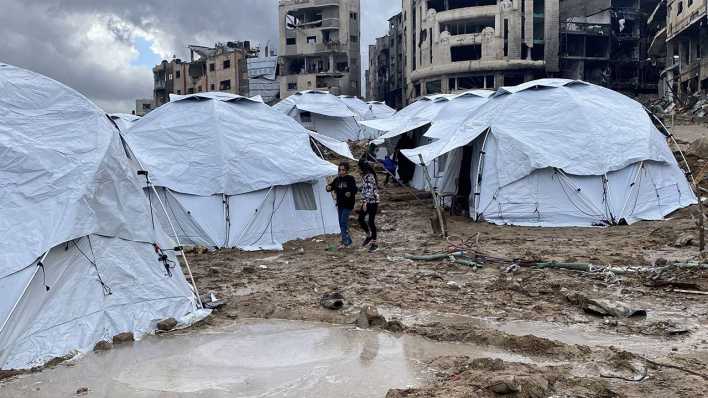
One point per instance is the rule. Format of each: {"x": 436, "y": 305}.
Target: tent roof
{"x": 124, "y": 116}
{"x": 579, "y": 127}
{"x": 419, "y": 113}
{"x": 207, "y": 146}
{"x": 314, "y": 101}
{"x": 64, "y": 173}
{"x": 455, "y": 111}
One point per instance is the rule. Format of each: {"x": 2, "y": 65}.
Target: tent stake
{"x": 436, "y": 198}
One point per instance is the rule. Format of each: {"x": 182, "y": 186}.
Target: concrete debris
{"x": 332, "y": 301}
{"x": 605, "y": 307}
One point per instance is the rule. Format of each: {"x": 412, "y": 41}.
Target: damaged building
{"x": 219, "y": 68}
{"x": 457, "y": 45}
{"x": 320, "y": 46}
{"x": 605, "y": 42}
{"x": 386, "y": 75}
{"x": 686, "y": 46}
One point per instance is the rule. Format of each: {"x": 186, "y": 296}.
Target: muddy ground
{"x": 541, "y": 313}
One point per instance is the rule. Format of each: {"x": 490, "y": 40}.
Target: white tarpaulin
{"x": 415, "y": 115}
{"x": 583, "y": 130}
{"x": 235, "y": 173}
{"x": 323, "y": 112}
{"x": 124, "y": 121}
{"x": 379, "y": 110}
{"x": 456, "y": 111}
{"x": 77, "y": 261}
{"x": 338, "y": 147}
{"x": 206, "y": 145}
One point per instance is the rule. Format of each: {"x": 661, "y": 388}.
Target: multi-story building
{"x": 456, "y": 45}
{"x": 143, "y": 106}
{"x": 686, "y": 47}
{"x": 386, "y": 79}
{"x": 219, "y": 68}
{"x": 379, "y": 69}
{"x": 320, "y": 46}
{"x": 605, "y": 42}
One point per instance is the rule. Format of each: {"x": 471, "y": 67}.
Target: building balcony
{"x": 468, "y": 13}
{"x": 583, "y": 28}
{"x": 494, "y": 65}
{"x": 160, "y": 84}
{"x": 307, "y": 4}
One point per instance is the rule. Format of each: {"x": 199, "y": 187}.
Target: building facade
{"x": 143, "y": 106}
{"x": 686, "y": 71}
{"x": 219, "y": 68}
{"x": 457, "y": 45}
{"x": 606, "y": 42}
{"x": 320, "y": 46}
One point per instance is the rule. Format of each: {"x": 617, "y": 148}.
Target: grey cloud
{"x": 37, "y": 35}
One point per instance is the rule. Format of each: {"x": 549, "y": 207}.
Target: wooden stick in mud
{"x": 436, "y": 198}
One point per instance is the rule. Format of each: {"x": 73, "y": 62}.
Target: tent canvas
{"x": 235, "y": 173}
{"x": 323, "y": 113}
{"x": 423, "y": 121}
{"x": 557, "y": 152}
{"x": 123, "y": 120}
{"x": 379, "y": 110}
{"x": 78, "y": 264}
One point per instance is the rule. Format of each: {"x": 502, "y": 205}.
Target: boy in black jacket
{"x": 344, "y": 187}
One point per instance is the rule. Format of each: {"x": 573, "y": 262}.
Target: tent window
{"x": 306, "y": 117}
{"x": 304, "y": 196}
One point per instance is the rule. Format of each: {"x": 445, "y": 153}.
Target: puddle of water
{"x": 251, "y": 359}
{"x": 583, "y": 334}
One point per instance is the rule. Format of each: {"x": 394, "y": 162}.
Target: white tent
{"x": 124, "y": 120}
{"x": 556, "y": 152}
{"x": 234, "y": 172}
{"x": 379, "y": 110}
{"x": 411, "y": 127}
{"x": 78, "y": 260}
{"x": 322, "y": 112}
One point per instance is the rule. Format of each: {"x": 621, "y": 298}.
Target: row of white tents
{"x": 550, "y": 152}
{"x": 97, "y": 208}
{"x": 336, "y": 117}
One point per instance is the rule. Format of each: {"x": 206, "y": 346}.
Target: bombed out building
{"x": 219, "y": 68}
{"x": 319, "y": 46}
{"x": 606, "y": 42}
{"x": 456, "y": 45}
{"x": 386, "y": 78}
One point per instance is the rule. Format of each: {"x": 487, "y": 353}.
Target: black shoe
{"x": 366, "y": 241}
{"x": 373, "y": 248}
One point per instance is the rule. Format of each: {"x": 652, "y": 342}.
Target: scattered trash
{"x": 82, "y": 391}
{"x": 210, "y": 301}
{"x": 603, "y": 307}
{"x": 263, "y": 266}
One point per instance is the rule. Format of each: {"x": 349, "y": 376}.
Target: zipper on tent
{"x": 227, "y": 218}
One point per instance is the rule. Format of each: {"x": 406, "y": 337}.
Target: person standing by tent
{"x": 369, "y": 205}
{"x": 345, "y": 189}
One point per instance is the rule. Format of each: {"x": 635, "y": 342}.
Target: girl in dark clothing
{"x": 369, "y": 205}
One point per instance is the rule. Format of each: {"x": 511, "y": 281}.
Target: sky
{"x": 106, "y": 49}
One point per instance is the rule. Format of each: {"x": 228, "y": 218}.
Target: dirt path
{"x": 529, "y": 311}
